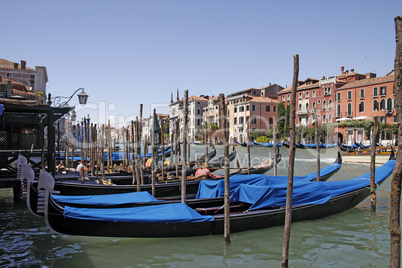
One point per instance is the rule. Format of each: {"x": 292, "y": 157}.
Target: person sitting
{"x": 61, "y": 167}
{"x": 82, "y": 169}
{"x": 204, "y": 171}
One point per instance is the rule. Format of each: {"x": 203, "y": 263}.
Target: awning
{"x": 362, "y": 117}
{"x": 342, "y": 119}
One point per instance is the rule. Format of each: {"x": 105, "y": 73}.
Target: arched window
{"x": 361, "y": 107}
{"x": 307, "y": 106}
{"x": 349, "y": 109}
{"x": 375, "y": 105}
{"x": 382, "y": 105}
{"x": 288, "y": 97}
{"x": 330, "y": 104}
{"x": 314, "y": 105}
{"x": 324, "y": 119}
{"x": 389, "y": 104}
{"x": 300, "y": 96}
{"x": 330, "y": 118}
{"x": 338, "y": 110}
{"x": 300, "y": 106}
{"x": 307, "y": 95}
{"x": 313, "y": 93}
{"x": 329, "y": 91}
{"x": 324, "y": 105}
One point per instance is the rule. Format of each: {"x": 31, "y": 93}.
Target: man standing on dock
{"x": 81, "y": 168}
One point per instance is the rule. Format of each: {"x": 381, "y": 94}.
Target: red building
{"x": 347, "y": 96}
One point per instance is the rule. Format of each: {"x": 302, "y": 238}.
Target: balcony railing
{"x": 302, "y": 112}
{"x": 347, "y": 114}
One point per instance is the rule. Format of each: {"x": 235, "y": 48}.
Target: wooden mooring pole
{"x": 225, "y": 136}
{"x": 372, "y": 164}
{"x": 184, "y": 148}
{"x": 394, "y": 218}
{"x": 289, "y": 194}
{"x": 317, "y": 142}
{"x": 274, "y": 137}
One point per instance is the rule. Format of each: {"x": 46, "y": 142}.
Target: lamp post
{"x": 54, "y": 114}
{"x": 82, "y": 98}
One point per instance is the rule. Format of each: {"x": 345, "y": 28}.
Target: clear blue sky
{"x": 129, "y": 52}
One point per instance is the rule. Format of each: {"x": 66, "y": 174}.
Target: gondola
{"x": 321, "y": 145}
{"x": 347, "y": 148}
{"x": 252, "y": 207}
{"x": 361, "y": 146}
{"x": 267, "y": 144}
{"x": 211, "y": 155}
{"x": 127, "y": 199}
{"x": 219, "y": 162}
{"x": 242, "y": 144}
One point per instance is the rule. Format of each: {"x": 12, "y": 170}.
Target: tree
{"x": 281, "y": 119}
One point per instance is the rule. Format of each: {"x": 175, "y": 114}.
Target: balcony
{"x": 390, "y": 111}
{"x": 338, "y": 115}
{"x": 348, "y": 115}
{"x": 302, "y": 112}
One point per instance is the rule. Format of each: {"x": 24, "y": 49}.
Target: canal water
{"x": 355, "y": 238}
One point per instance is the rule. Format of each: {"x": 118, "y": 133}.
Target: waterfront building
{"x": 195, "y": 115}
{"x": 347, "y": 96}
{"x": 33, "y": 79}
{"x": 259, "y": 104}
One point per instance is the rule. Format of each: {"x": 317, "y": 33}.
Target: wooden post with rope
{"x": 289, "y": 194}
{"x": 274, "y": 137}
{"x": 317, "y": 142}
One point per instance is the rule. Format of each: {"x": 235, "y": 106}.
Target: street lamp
{"x": 82, "y": 98}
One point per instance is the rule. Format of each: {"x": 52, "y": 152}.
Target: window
{"x": 361, "y": 107}
{"x": 241, "y": 120}
{"x": 267, "y": 108}
{"x": 271, "y": 120}
{"x": 314, "y": 105}
{"x": 253, "y": 108}
{"x": 382, "y": 105}
{"x": 198, "y": 111}
{"x": 288, "y": 97}
{"x": 283, "y": 97}
{"x": 248, "y": 108}
{"x": 300, "y": 96}
{"x": 235, "y": 109}
{"x": 361, "y": 93}
{"x": 330, "y": 118}
{"x": 241, "y": 109}
{"x": 300, "y": 106}
{"x": 329, "y": 91}
{"x": 395, "y": 119}
{"x": 9, "y": 75}
{"x": 307, "y": 106}
{"x": 375, "y": 105}
{"x": 338, "y": 96}
{"x": 330, "y": 104}
{"x": 338, "y": 110}
{"x": 389, "y": 105}
{"x": 349, "y": 95}
{"x": 383, "y": 119}
{"x": 375, "y": 92}
{"x": 349, "y": 109}
{"x": 274, "y": 109}
{"x": 383, "y": 91}
{"x": 307, "y": 94}
{"x": 324, "y": 105}
{"x": 32, "y": 76}
{"x": 198, "y": 122}
{"x": 253, "y": 120}
{"x": 313, "y": 93}
{"x": 324, "y": 119}
{"x": 235, "y": 120}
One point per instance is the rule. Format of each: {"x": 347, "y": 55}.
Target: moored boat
{"x": 252, "y": 207}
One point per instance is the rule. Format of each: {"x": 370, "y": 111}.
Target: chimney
{"x": 352, "y": 70}
{"x": 171, "y": 97}
{"x": 23, "y": 64}
{"x": 342, "y": 69}
{"x": 15, "y": 65}
{"x": 177, "y": 98}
